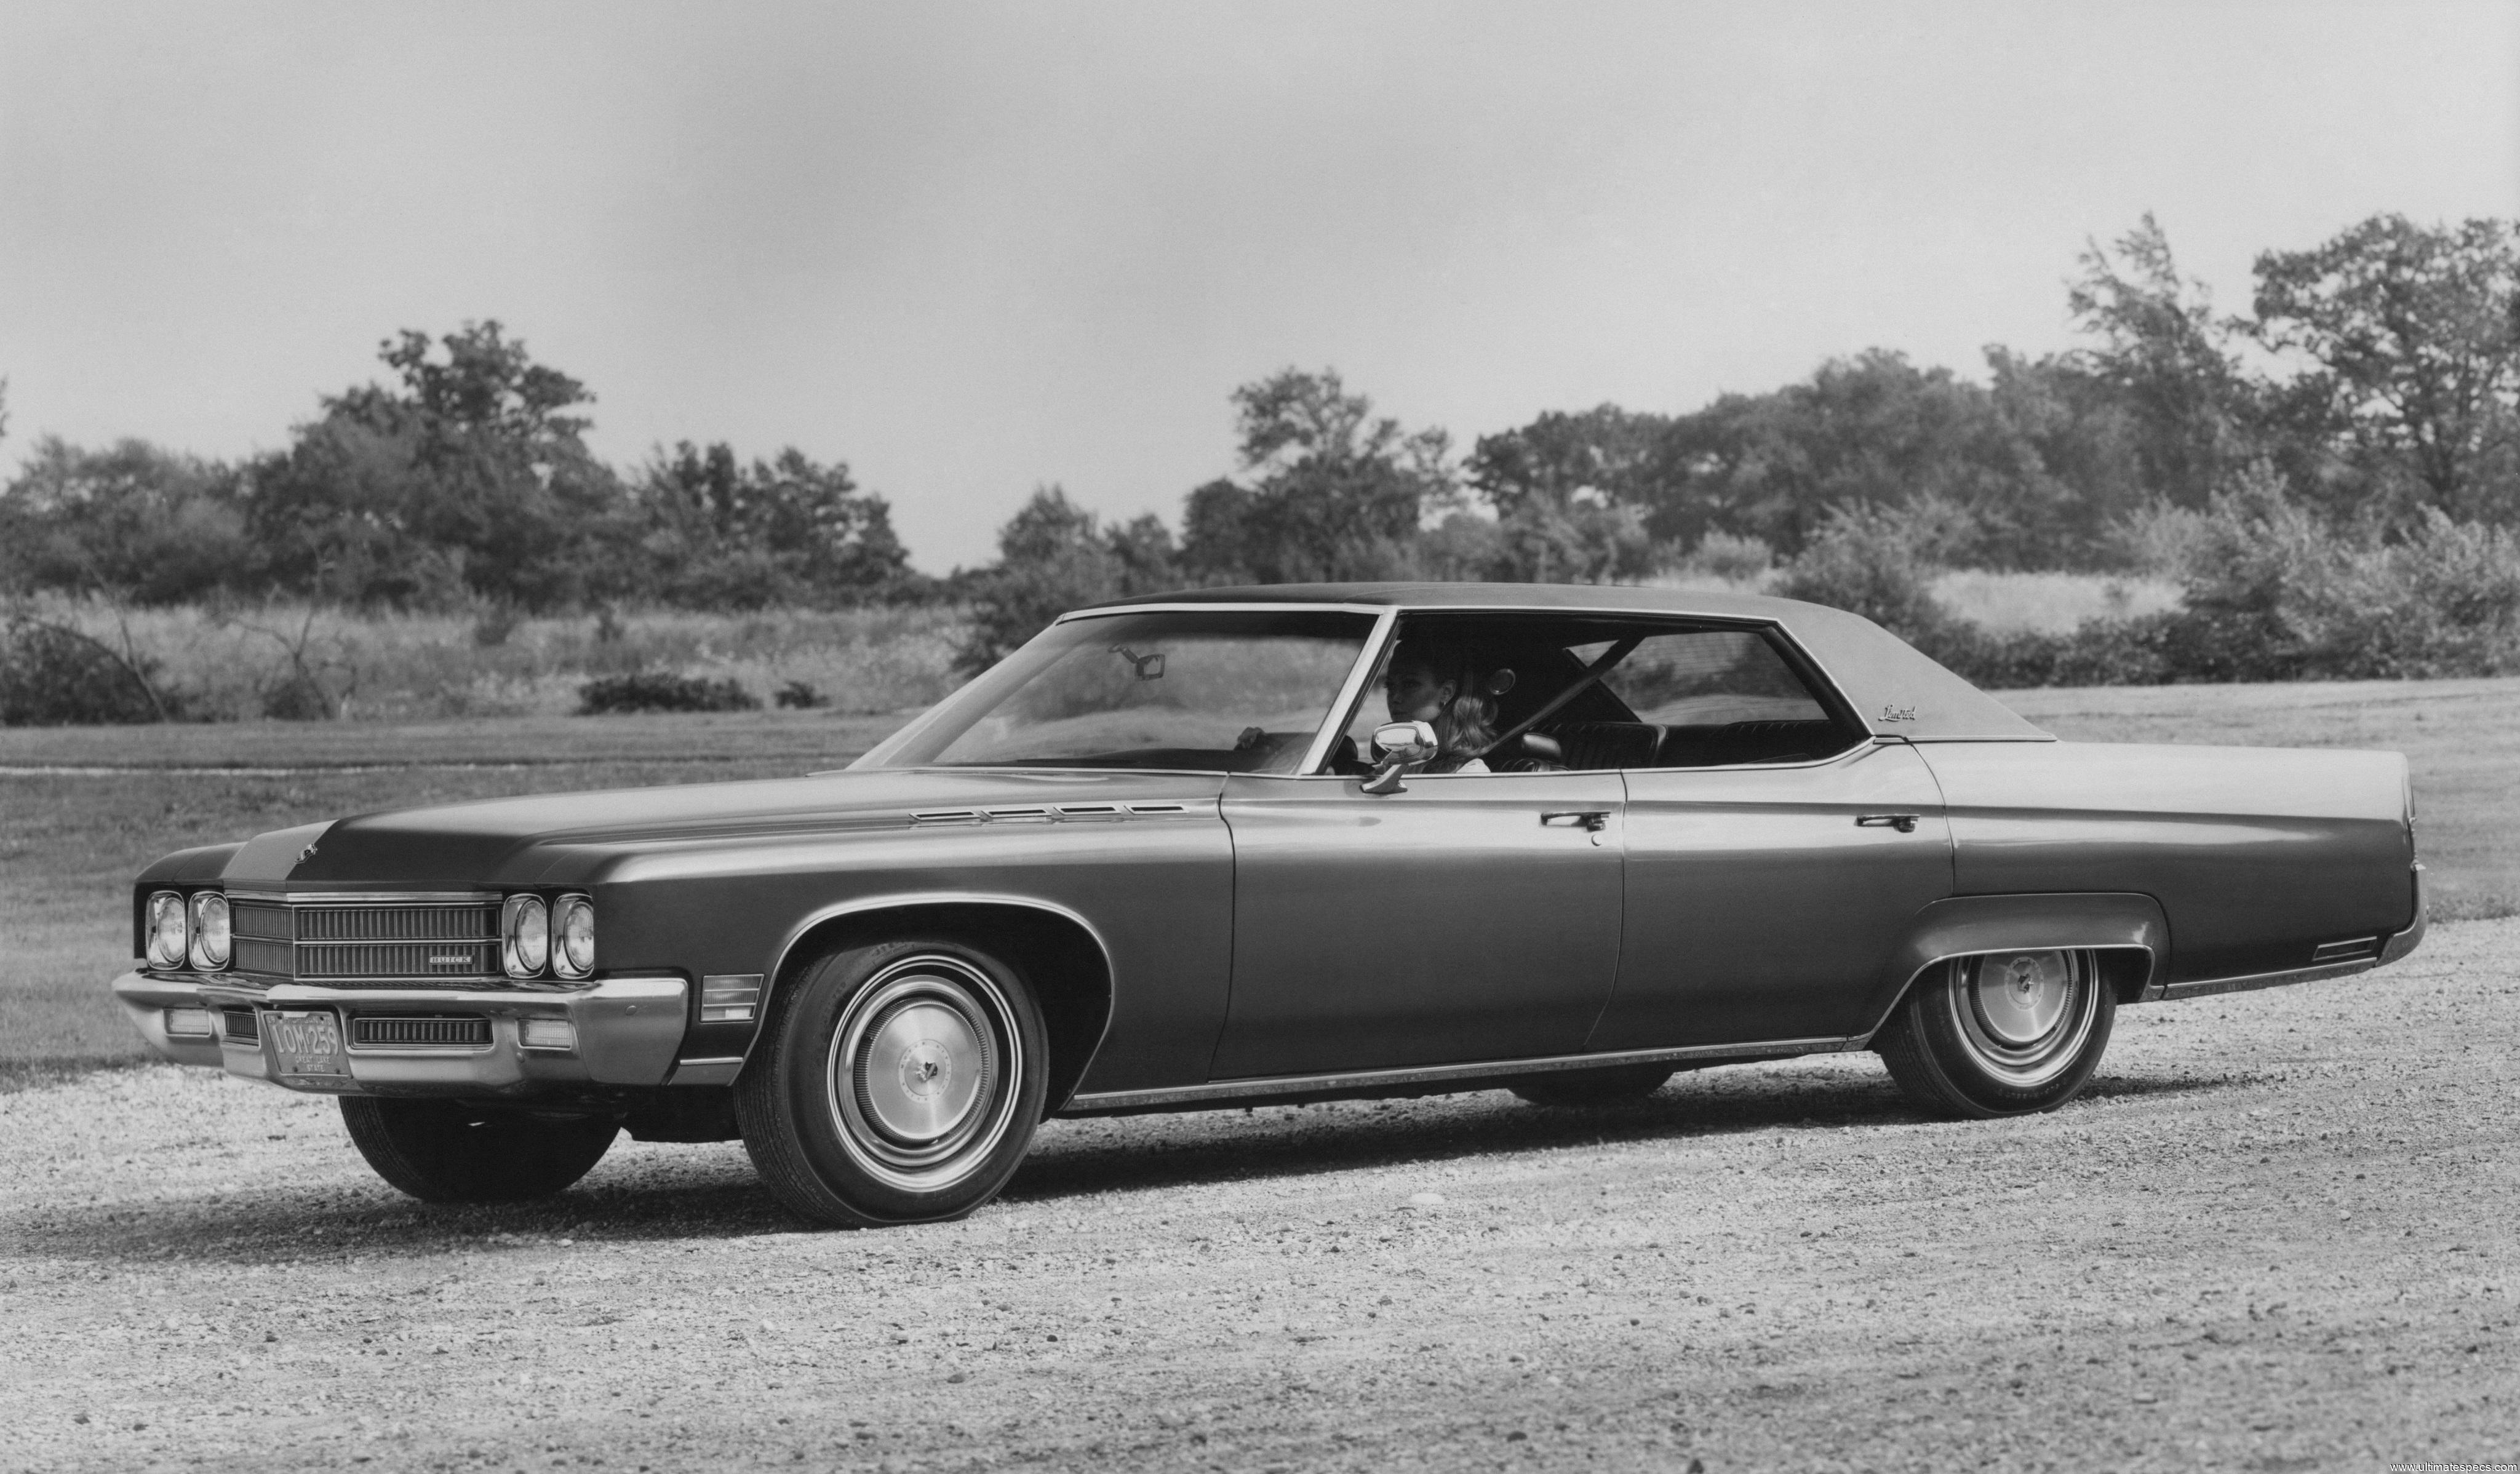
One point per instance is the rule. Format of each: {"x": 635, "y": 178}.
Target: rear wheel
{"x": 2004, "y": 1034}
{"x": 1616, "y": 1086}
{"x": 897, "y": 1082}
{"x": 455, "y": 1151}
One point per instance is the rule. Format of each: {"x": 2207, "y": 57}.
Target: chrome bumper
{"x": 628, "y": 1031}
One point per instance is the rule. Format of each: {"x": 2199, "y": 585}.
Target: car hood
{"x": 514, "y": 840}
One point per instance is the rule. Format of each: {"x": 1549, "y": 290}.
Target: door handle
{"x": 1905, "y": 824}
{"x": 1578, "y": 819}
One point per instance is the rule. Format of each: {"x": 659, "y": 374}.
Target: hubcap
{"x": 922, "y": 1071}
{"x": 925, "y": 1066}
{"x": 2024, "y": 1015}
{"x": 2020, "y": 998}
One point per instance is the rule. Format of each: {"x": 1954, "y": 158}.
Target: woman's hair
{"x": 1468, "y": 722}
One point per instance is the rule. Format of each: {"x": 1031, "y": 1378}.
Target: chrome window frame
{"x": 1832, "y": 687}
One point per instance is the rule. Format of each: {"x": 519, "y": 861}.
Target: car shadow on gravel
{"x": 713, "y": 1194}
{"x": 1149, "y": 1152}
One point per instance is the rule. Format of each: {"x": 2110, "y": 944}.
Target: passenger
{"x": 1441, "y": 684}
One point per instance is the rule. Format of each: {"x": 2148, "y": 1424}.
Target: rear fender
{"x": 2127, "y": 929}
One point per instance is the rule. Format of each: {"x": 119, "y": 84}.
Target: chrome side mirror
{"x": 1400, "y": 746}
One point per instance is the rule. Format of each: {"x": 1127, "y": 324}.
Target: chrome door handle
{"x": 1905, "y": 824}
{"x": 1578, "y": 819}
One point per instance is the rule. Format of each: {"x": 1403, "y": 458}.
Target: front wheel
{"x": 897, "y": 1082}
{"x": 454, "y": 1151}
{"x": 2003, "y": 1034}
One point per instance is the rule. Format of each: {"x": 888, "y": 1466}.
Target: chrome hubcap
{"x": 2024, "y": 1015}
{"x": 926, "y": 1062}
{"x": 923, "y": 1067}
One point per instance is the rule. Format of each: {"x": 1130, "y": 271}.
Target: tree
{"x": 2170, "y": 361}
{"x": 1873, "y": 431}
{"x": 1337, "y": 492}
{"x": 131, "y": 522}
{"x": 463, "y": 481}
{"x": 1055, "y": 556}
{"x": 721, "y": 534}
{"x": 2412, "y": 337}
{"x": 1570, "y": 493}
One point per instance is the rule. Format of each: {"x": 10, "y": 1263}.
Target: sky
{"x": 973, "y": 249}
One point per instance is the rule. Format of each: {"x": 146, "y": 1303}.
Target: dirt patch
{"x": 2276, "y": 1235}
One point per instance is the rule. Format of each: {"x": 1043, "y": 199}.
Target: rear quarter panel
{"x": 2256, "y": 853}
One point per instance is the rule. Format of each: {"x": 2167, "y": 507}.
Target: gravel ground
{"x": 2276, "y": 1235}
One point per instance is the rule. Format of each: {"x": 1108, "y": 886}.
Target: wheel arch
{"x": 1059, "y": 952}
{"x": 2126, "y": 930}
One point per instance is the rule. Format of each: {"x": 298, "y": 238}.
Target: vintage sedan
{"x": 1177, "y": 853}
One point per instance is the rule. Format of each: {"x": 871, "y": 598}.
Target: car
{"x": 1280, "y": 844}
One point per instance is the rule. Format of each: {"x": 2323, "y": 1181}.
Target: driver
{"x": 1440, "y": 685}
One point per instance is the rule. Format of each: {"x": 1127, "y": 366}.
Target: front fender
{"x": 1966, "y": 924}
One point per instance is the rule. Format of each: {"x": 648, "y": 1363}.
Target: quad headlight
{"x": 169, "y": 936}
{"x": 211, "y": 944}
{"x": 525, "y": 936}
{"x": 573, "y": 937}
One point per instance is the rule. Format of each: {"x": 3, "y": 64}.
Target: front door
{"x": 1472, "y": 916}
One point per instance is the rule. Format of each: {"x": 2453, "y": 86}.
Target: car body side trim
{"x": 1366, "y": 1082}
{"x": 2205, "y": 985}
{"x": 905, "y": 900}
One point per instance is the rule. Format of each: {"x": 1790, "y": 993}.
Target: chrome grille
{"x": 260, "y": 920}
{"x": 410, "y": 1033}
{"x": 254, "y": 954}
{"x": 397, "y": 923}
{"x": 440, "y": 939}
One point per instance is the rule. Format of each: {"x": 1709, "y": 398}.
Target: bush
{"x": 661, "y": 690}
{"x": 54, "y": 676}
{"x": 1872, "y": 562}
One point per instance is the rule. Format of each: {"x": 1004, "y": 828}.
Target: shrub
{"x": 662, "y": 691}
{"x": 1872, "y": 562}
{"x": 800, "y": 695}
{"x": 54, "y": 676}
{"x": 1727, "y": 556}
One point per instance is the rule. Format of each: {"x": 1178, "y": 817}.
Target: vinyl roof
{"x": 1895, "y": 688}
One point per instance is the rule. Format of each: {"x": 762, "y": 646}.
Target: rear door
{"x": 1775, "y": 852}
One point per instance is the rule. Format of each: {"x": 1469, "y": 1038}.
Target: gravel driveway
{"x": 2276, "y": 1235}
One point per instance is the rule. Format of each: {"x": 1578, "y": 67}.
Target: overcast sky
{"x": 971, "y": 248}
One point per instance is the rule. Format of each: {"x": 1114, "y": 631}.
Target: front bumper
{"x": 626, "y": 1032}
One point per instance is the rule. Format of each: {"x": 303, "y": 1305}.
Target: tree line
{"x": 2367, "y": 394}
{"x": 2365, "y": 403}
{"x": 465, "y": 481}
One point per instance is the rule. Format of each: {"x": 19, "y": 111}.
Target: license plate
{"x": 306, "y": 1048}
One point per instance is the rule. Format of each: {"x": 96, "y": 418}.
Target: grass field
{"x": 385, "y": 667}
{"x": 85, "y": 809}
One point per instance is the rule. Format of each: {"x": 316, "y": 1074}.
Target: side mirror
{"x": 1402, "y": 745}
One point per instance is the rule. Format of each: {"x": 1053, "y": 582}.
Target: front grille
{"x": 410, "y": 1033}
{"x": 241, "y": 1025}
{"x": 356, "y": 943}
{"x": 397, "y": 960}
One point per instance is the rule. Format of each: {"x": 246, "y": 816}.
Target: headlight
{"x": 209, "y": 948}
{"x": 525, "y": 936}
{"x": 574, "y": 956}
{"x": 166, "y": 933}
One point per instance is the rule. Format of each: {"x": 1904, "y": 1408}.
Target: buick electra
{"x": 1271, "y": 845}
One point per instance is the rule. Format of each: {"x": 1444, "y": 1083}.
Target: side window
{"x": 1719, "y": 697}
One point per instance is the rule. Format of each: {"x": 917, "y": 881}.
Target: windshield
{"x": 1226, "y": 692}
